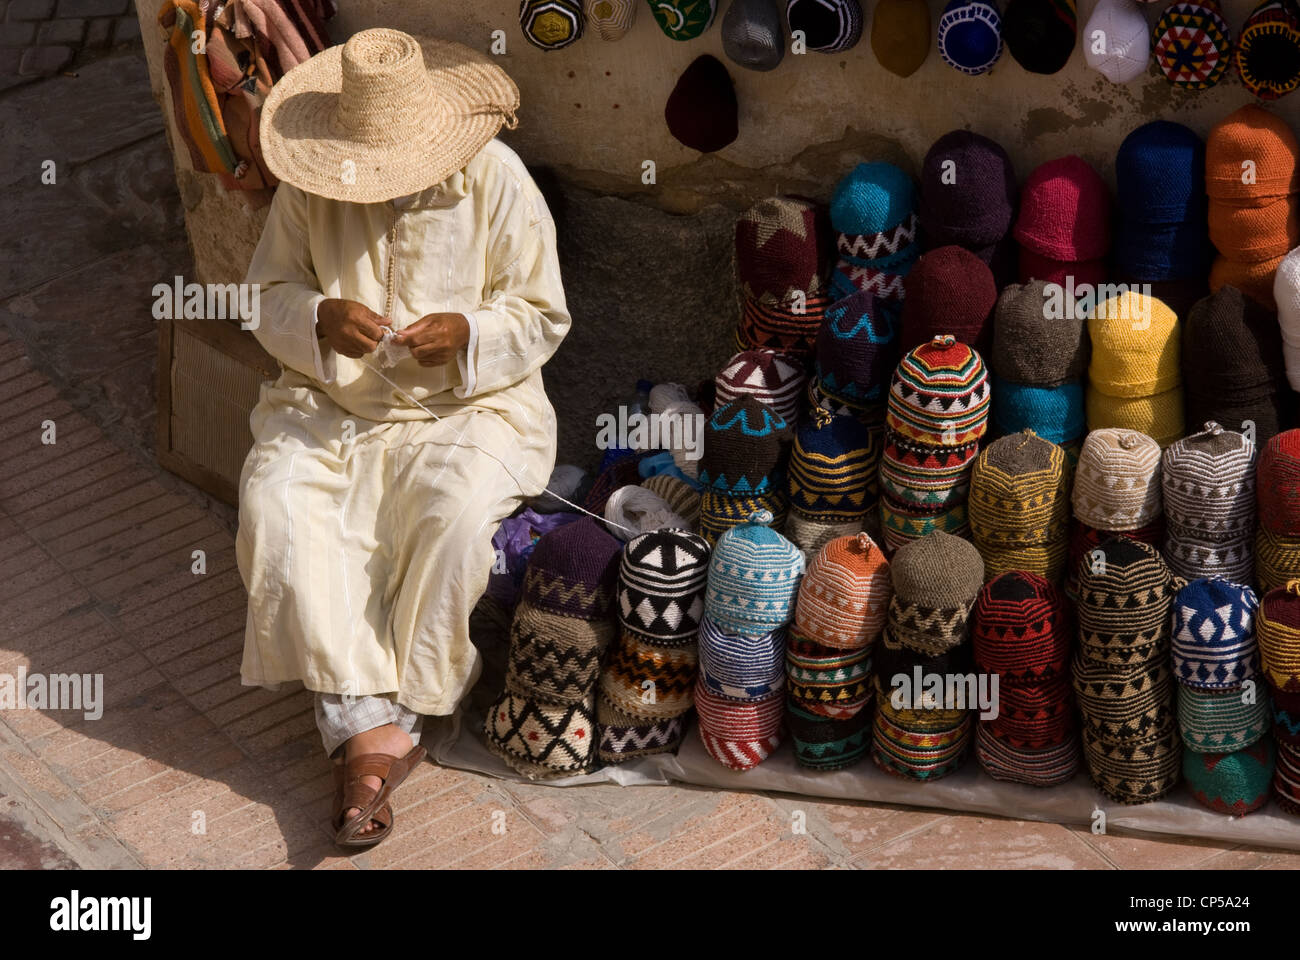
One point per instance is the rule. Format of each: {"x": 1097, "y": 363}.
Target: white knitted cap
{"x": 1286, "y": 291}
{"x": 1118, "y": 29}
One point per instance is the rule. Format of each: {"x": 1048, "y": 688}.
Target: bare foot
{"x": 388, "y": 739}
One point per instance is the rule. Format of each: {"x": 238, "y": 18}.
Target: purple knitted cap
{"x": 573, "y": 570}
{"x": 968, "y": 191}
{"x": 857, "y": 348}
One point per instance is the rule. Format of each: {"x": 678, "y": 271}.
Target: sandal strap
{"x": 370, "y": 765}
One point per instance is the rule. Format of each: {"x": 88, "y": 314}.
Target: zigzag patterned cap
{"x": 661, "y": 582}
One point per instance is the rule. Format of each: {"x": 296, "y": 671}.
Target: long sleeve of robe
{"x": 365, "y": 522}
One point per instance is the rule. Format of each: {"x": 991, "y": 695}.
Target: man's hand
{"x": 351, "y": 328}
{"x": 435, "y": 338}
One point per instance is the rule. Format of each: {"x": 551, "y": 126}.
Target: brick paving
{"x": 186, "y": 767}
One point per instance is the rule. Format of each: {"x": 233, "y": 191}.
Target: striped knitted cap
{"x": 1031, "y": 343}
{"x": 1231, "y": 560}
{"x": 1251, "y": 138}
{"x": 1123, "y": 704}
{"x": 1220, "y": 721}
{"x": 974, "y": 209}
{"x": 555, "y": 656}
{"x": 1117, "y": 480}
{"x": 1192, "y": 44}
{"x": 1277, "y": 558}
{"x": 648, "y": 680}
{"x": 1085, "y": 539}
{"x": 661, "y": 582}
{"x": 903, "y": 523}
{"x": 1034, "y": 767}
{"x": 743, "y": 445}
{"x": 924, "y": 476}
{"x": 1054, "y": 413}
{"x": 1277, "y": 485}
{"x": 949, "y": 291}
{"x": 857, "y": 348}
{"x": 1233, "y": 783}
{"x": 1065, "y": 211}
{"x": 822, "y": 743}
{"x": 720, "y": 512}
{"x": 1035, "y": 715}
{"x": 739, "y": 735}
{"x": 1231, "y": 344}
{"x": 1208, "y": 485}
{"x": 1021, "y": 631}
{"x": 918, "y": 754}
{"x": 830, "y": 468}
{"x": 1126, "y": 592}
{"x": 940, "y": 394}
{"x": 970, "y": 35}
{"x": 1134, "y": 772}
{"x": 765, "y": 375}
{"x": 1160, "y": 174}
{"x": 1214, "y": 634}
{"x": 610, "y": 18}
{"x": 1135, "y": 342}
{"x": 827, "y": 681}
{"x": 754, "y": 578}
{"x": 1286, "y": 779}
{"x": 782, "y": 249}
{"x": 677, "y": 493}
{"x": 1019, "y": 492}
{"x": 829, "y": 26}
{"x": 1267, "y": 55}
{"x": 739, "y": 667}
{"x": 572, "y": 570}
{"x": 845, "y": 594}
{"x": 625, "y": 736}
{"x": 1277, "y": 627}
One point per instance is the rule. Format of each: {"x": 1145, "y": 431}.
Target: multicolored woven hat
{"x": 1126, "y": 592}
{"x": 1022, "y": 631}
{"x": 1192, "y": 44}
{"x": 1277, "y": 484}
{"x": 1233, "y": 783}
{"x": 1136, "y": 772}
{"x": 1214, "y": 644}
{"x": 1034, "y": 767}
{"x": 1277, "y": 626}
{"x": 916, "y": 754}
{"x": 684, "y": 19}
{"x": 1220, "y": 721}
{"x": 735, "y": 666}
{"x": 1267, "y": 57}
{"x": 1117, "y": 480}
{"x": 1208, "y": 485}
{"x": 573, "y": 569}
{"x": 744, "y": 442}
{"x": 754, "y": 576}
{"x": 830, "y": 469}
{"x": 936, "y": 581}
{"x": 970, "y": 35}
{"x": 830, "y": 26}
{"x": 765, "y": 375}
{"x": 1286, "y": 779}
{"x": 857, "y": 348}
{"x": 553, "y": 655}
{"x": 543, "y": 739}
{"x": 873, "y": 211}
{"x": 645, "y": 680}
{"x": 823, "y": 743}
{"x": 624, "y": 736}
{"x": 739, "y": 735}
{"x": 827, "y": 681}
{"x": 940, "y": 394}
{"x": 1018, "y": 492}
{"x": 720, "y": 512}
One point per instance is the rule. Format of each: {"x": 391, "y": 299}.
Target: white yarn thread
{"x": 644, "y": 509}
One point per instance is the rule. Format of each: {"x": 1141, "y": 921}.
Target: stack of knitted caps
{"x": 938, "y": 411}
{"x": 1022, "y": 634}
{"x": 774, "y": 378}
{"x": 1122, "y": 676}
{"x": 1277, "y": 492}
{"x": 544, "y": 723}
{"x": 873, "y": 212}
{"x": 1134, "y": 376}
{"x": 1116, "y": 491}
{"x": 832, "y": 480}
{"x": 1063, "y": 227}
{"x": 968, "y": 198}
{"x": 1252, "y": 176}
{"x": 648, "y": 676}
{"x": 1228, "y": 761}
{"x": 949, "y": 291}
{"x": 1233, "y": 368}
{"x": 1040, "y": 356}
{"x": 936, "y": 581}
{"x": 782, "y": 262}
{"x": 1020, "y": 506}
{"x": 843, "y": 600}
{"x": 1160, "y": 182}
{"x": 741, "y": 467}
{"x": 1277, "y": 627}
{"x": 1208, "y": 485}
{"x": 753, "y": 582}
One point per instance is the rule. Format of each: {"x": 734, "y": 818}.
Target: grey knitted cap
{"x": 1029, "y": 346}
{"x": 938, "y": 570}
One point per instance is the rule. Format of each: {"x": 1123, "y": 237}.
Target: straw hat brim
{"x": 304, "y": 143}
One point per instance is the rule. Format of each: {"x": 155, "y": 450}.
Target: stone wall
{"x": 647, "y": 267}
{"x": 39, "y": 38}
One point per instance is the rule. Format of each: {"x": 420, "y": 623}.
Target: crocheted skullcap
{"x": 1277, "y": 627}
{"x": 1030, "y": 347}
{"x": 572, "y": 570}
{"x": 739, "y": 735}
{"x": 1054, "y": 413}
{"x": 970, "y": 35}
{"x": 938, "y": 570}
{"x": 830, "y": 469}
{"x": 844, "y": 596}
{"x": 968, "y": 191}
{"x": 1192, "y": 44}
{"x": 1040, "y": 33}
{"x": 1022, "y": 631}
{"x": 1214, "y": 643}
{"x": 1277, "y": 484}
{"x": 1208, "y": 484}
{"x": 1251, "y": 134}
{"x": 738, "y": 666}
{"x": 1065, "y": 211}
{"x": 857, "y": 348}
{"x": 940, "y": 394}
{"x": 1126, "y": 49}
{"x": 661, "y": 581}
{"x": 830, "y": 26}
{"x": 1230, "y": 344}
{"x": 744, "y": 441}
{"x": 949, "y": 291}
{"x": 1019, "y": 493}
{"x": 872, "y": 198}
{"x": 753, "y": 578}
{"x": 782, "y": 247}
{"x": 1117, "y": 480}
{"x": 1160, "y": 174}
{"x": 1267, "y": 56}
{"x": 1233, "y": 783}
{"x": 764, "y": 375}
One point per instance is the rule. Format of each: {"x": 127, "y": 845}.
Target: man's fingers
{"x": 370, "y": 329}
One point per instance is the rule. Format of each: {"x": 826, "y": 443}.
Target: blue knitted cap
{"x": 872, "y": 198}
{"x": 1054, "y": 413}
{"x": 754, "y": 576}
{"x": 1154, "y": 253}
{"x": 970, "y": 35}
{"x": 1214, "y": 642}
{"x": 1160, "y": 174}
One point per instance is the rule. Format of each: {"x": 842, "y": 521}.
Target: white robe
{"x": 365, "y": 524}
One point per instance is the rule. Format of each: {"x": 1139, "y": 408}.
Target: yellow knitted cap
{"x": 1134, "y": 346}
{"x": 1159, "y": 416}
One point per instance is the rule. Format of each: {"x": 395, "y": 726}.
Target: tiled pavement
{"x": 187, "y": 767}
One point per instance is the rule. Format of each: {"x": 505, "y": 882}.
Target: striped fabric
{"x": 739, "y": 735}
{"x": 754, "y": 576}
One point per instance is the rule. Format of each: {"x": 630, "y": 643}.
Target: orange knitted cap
{"x": 1250, "y": 154}
{"x": 1255, "y": 280}
{"x": 1252, "y": 233}
{"x": 844, "y": 595}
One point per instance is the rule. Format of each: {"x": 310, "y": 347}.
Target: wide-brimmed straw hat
{"x": 383, "y": 115}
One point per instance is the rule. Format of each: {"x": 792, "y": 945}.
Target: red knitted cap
{"x": 1034, "y": 266}
{"x": 949, "y": 290}
{"x": 1277, "y": 484}
{"x": 782, "y": 246}
{"x": 1065, "y": 211}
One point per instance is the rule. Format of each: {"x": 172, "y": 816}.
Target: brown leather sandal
{"x": 373, "y": 804}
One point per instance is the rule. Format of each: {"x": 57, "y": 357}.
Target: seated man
{"x": 411, "y": 291}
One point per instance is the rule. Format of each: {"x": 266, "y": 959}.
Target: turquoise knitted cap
{"x": 1054, "y": 413}
{"x": 754, "y": 577}
{"x": 872, "y": 198}
{"x": 1233, "y": 783}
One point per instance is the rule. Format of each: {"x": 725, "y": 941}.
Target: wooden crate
{"x": 209, "y": 376}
